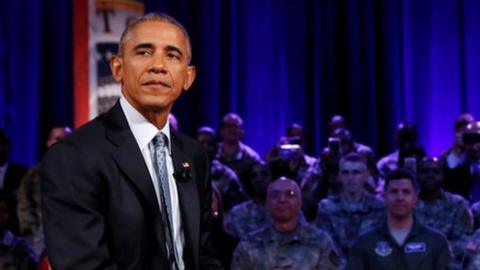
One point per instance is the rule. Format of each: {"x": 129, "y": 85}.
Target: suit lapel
{"x": 188, "y": 196}
{"x": 130, "y": 160}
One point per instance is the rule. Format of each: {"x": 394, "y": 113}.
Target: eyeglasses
{"x": 289, "y": 194}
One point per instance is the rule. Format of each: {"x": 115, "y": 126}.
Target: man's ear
{"x": 116, "y": 67}
{"x": 191, "y": 73}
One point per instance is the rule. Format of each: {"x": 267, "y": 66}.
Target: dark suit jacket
{"x": 100, "y": 207}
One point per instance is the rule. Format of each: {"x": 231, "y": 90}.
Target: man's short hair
{"x": 154, "y": 16}
{"x": 233, "y": 116}
{"x": 353, "y": 157}
{"x": 206, "y": 129}
{"x": 399, "y": 174}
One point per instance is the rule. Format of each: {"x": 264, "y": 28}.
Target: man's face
{"x": 353, "y": 176}
{"x": 153, "y": 67}
{"x": 231, "y": 130}
{"x": 400, "y": 198}
{"x": 207, "y": 140}
{"x": 56, "y": 134}
{"x": 283, "y": 200}
{"x": 430, "y": 175}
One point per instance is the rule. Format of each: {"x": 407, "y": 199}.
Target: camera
{"x": 287, "y": 151}
{"x": 334, "y": 145}
{"x": 470, "y": 138}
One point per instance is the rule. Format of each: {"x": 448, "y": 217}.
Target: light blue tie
{"x": 160, "y": 165}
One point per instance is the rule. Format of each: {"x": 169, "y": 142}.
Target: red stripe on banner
{"x": 80, "y": 62}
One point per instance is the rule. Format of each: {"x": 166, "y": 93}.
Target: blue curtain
{"x": 273, "y": 62}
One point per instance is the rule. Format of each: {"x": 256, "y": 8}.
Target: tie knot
{"x": 160, "y": 140}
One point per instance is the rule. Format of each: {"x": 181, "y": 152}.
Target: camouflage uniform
{"x": 472, "y": 252}
{"x": 345, "y": 220}
{"x": 305, "y": 248}
{"x": 450, "y": 215}
{"x": 246, "y": 218}
{"x": 316, "y": 185}
{"x": 227, "y": 183}
{"x": 239, "y": 162}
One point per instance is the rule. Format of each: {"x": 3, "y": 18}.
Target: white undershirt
{"x": 144, "y": 132}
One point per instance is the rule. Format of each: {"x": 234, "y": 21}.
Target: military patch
{"x": 415, "y": 247}
{"x": 383, "y": 249}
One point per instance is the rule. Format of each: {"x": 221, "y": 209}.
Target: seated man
{"x": 464, "y": 179}
{"x": 406, "y": 139}
{"x": 347, "y": 215}
{"x": 441, "y": 210}
{"x": 288, "y": 158}
{"x": 250, "y": 215}
{"x": 232, "y": 152}
{"x": 402, "y": 242}
{"x": 224, "y": 178}
{"x": 289, "y": 243}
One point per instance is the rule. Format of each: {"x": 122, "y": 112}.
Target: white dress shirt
{"x": 144, "y": 132}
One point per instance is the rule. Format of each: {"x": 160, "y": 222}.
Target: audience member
{"x": 232, "y": 152}
{"x": 441, "y": 210}
{"x": 287, "y": 158}
{"x": 455, "y": 155}
{"x": 11, "y": 173}
{"x": 464, "y": 179}
{"x": 250, "y": 215}
{"x": 354, "y": 211}
{"x": 224, "y": 178}
{"x": 406, "y": 139}
{"x": 28, "y": 199}
{"x": 15, "y": 252}
{"x": 337, "y": 121}
{"x": 402, "y": 242}
{"x": 223, "y": 243}
{"x": 289, "y": 243}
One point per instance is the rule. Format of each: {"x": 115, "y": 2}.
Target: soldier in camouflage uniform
{"x": 232, "y": 152}
{"x": 354, "y": 211}
{"x": 289, "y": 243}
{"x": 441, "y": 210}
{"x": 224, "y": 178}
{"x": 319, "y": 181}
{"x": 246, "y": 218}
{"x": 250, "y": 215}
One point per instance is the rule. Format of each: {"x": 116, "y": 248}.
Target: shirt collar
{"x": 143, "y": 130}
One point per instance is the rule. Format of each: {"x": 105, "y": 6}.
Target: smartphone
{"x": 334, "y": 145}
{"x": 288, "y": 150}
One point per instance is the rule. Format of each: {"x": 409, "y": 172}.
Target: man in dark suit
{"x": 108, "y": 204}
